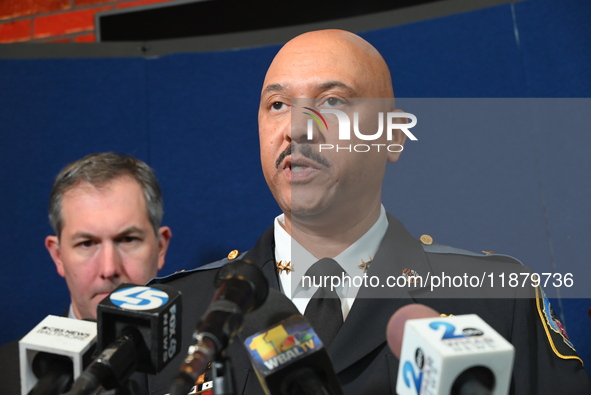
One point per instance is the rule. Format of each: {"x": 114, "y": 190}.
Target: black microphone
{"x": 54, "y": 353}
{"x": 138, "y": 330}
{"x": 54, "y": 372}
{"x": 286, "y": 353}
{"x": 241, "y": 288}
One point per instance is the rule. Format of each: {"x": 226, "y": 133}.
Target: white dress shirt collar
{"x": 289, "y": 250}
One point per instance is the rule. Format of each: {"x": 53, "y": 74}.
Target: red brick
{"x": 92, "y": 2}
{"x": 65, "y": 23}
{"x": 15, "y": 8}
{"x": 140, "y": 3}
{"x": 11, "y": 32}
{"x": 85, "y": 38}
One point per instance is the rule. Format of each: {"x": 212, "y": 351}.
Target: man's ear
{"x": 164, "y": 235}
{"x": 398, "y": 138}
{"x": 53, "y": 246}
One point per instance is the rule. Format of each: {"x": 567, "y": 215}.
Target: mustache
{"x": 306, "y": 151}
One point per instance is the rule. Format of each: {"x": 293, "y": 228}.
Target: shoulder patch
{"x": 554, "y": 329}
{"x": 182, "y": 273}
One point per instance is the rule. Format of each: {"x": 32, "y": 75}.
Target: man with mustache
{"x": 331, "y": 204}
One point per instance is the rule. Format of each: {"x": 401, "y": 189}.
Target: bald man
{"x": 331, "y": 204}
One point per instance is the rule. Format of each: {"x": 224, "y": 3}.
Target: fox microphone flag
{"x": 138, "y": 330}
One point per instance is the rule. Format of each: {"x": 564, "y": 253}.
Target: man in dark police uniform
{"x": 331, "y": 203}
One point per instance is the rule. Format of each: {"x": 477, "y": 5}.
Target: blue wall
{"x": 523, "y": 192}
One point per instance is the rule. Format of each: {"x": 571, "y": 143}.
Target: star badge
{"x": 281, "y": 267}
{"x": 365, "y": 265}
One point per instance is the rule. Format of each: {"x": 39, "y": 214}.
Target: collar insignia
{"x": 283, "y": 266}
{"x": 365, "y": 265}
{"x": 410, "y": 274}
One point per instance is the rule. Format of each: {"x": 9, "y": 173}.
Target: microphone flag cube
{"x": 68, "y": 337}
{"x": 154, "y": 312}
{"x": 438, "y": 353}
{"x": 285, "y": 348}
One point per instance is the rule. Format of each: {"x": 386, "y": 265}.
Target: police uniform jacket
{"x": 545, "y": 362}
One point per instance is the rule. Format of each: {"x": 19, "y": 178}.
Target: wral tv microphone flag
{"x": 287, "y": 347}
{"x": 154, "y": 311}
{"x": 285, "y": 343}
{"x": 443, "y": 352}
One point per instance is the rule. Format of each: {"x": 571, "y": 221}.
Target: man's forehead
{"x": 83, "y": 187}
{"x": 332, "y": 62}
{"x": 122, "y": 192}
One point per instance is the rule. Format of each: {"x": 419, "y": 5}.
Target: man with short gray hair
{"x": 106, "y": 210}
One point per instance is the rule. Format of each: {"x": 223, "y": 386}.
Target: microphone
{"x": 241, "y": 288}
{"x": 138, "y": 330}
{"x": 54, "y": 353}
{"x": 457, "y": 355}
{"x": 287, "y": 355}
{"x": 395, "y": 327}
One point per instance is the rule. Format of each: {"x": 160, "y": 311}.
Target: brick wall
{"x": 56, "y": 20}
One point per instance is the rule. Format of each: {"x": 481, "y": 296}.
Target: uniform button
{"x": 233, "y": 254}
{"x": 426, "y": 240}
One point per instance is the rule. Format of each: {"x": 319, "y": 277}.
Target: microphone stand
{"x": 223, "y": 376}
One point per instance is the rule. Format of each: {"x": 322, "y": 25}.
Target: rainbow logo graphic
{"x": 316, "y": 116}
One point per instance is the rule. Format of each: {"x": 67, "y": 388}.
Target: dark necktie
{"x": 324, "y": 309}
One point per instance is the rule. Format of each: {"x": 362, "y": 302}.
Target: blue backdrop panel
{"x": 203, "y": 127}
{"x": 193, "y": 117}
{"x": 555, "y": 43}
{"x": 465, "y": 55}
{"x": 53, "y": 112}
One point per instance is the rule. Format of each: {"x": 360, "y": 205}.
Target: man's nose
{"x": 110, "y": 262}
{"x": 304, "y": 128}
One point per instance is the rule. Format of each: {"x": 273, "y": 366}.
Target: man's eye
{"x": 128, "y": 239}
{"x": 333, "y": 102}
{"x": 277, "y": 106}
{"x": 86, "y": 243}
